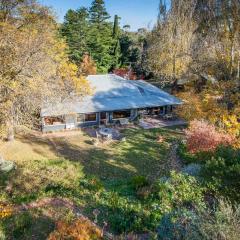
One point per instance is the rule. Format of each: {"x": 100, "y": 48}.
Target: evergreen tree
{"x": 75, "y": 29}
{"x": 98, "y": 12}
{"x": 101, "y": 40}
{"x": 116, "y": 28}
{"x": 116, "y": 43}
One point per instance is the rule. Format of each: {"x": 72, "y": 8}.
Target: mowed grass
{"x": 64, "y": 166}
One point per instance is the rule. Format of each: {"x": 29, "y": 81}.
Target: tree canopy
{"x": 34, "y": 66}
{"x": 90, "y": 31}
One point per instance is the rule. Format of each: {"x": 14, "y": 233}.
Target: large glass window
{"x": 92, "y": 117}
{"x": 121, "y": 114}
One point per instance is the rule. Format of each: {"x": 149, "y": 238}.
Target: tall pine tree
{"x": 98, "y": 12}
{"x": 75, "y": 29}
{"x": 101, "y": 40}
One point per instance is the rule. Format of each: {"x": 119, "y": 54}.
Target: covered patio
{"x": 150, "y": 122}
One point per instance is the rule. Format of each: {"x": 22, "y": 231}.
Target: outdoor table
{"x": 107, "y": 132}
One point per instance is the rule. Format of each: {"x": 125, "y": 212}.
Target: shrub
{"x": 144, "y": 192}
{"x": 192, "y": 169}
{"x": 81, "y": 229}
{"x": 5, "y": 210}
{"x": 202, "y": 136}
{"x": 123, "y": 214}
{"x": 222, "y": 172}
{"x": 183, "y": 153}
{"x": 139, "y": 182}
{"x": 220, "y": 223}
{"x": 176, "y": 224}
{"x": 179, "y": 190}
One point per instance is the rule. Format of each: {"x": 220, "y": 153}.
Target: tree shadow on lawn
{"x": 40, "y": 145}
{"x": 115, "y": 165}
{"x": 140, "y": 154}
{"x": 142, "y": 151}
{"x": 27, "y": 225}
{"x": 95, "y": 161}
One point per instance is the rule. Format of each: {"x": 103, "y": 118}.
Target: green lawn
{"x": 93, "y": 177}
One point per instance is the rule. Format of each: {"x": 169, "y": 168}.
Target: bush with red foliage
{"x": 204, "y": 137}
{"x": 126, "y": 73}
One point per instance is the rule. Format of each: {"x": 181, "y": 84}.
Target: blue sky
{"x": 136, "y": 13}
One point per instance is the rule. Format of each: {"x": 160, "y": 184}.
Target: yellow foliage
{"x": 5, "y": 211}
{"x": 207, "y": 106}
{"x": 33, "y": 64}
{"x": 231, "y": 124}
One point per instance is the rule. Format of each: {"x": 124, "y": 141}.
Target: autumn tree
{"x": 33, "y": 64}
{"x": 197, "y": 42}
{"x": 87, "y": 66}
{"x": 170, "y": 41}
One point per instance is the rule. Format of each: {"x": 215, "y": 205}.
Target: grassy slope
{"x": 60, "y": 167}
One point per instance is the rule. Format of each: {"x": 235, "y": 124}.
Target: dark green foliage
{"x": 116, "y": 29}
{"x": 26, "y": 225}
{"x": 98, "y": 12}
{"x": 75, "y": 29}
{"x": 222, "y": 172}
{"x": 185, "y": 155}
{"x": 139, "y": 182}
{"x": 179, "y": 190}
{"x": 90, "y": 31}
{"x": 220, "y": 169}
{"x": 116, "y": 43}
{"x": 100, "y": 32}
{"x": 131, "y": 50}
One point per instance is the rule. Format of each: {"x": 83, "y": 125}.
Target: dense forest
{"x": 89, "y": 31}
{"x": 175, "y": 183}
{"x": 195, "y": 44}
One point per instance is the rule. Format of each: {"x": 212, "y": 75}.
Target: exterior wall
{"x": 72, "y": 119}
{"x": 89, "y": 124}
{"x": 53, "y": 128}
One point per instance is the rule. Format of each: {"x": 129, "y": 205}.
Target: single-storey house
{"x": 113, "y": 99}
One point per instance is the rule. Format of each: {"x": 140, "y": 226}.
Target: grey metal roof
{"x": 112, "y": 92}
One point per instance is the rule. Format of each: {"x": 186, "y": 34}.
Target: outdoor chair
{"x": 168, "y": 117}
{"x": 124, "y": 121}
{"x": 99, "y": 137}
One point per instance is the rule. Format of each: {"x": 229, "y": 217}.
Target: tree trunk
{"x": 10, "y": 130}
{"x": 238, "y": 75}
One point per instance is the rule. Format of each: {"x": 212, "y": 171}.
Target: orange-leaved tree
{"x": 81, "y": 229}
